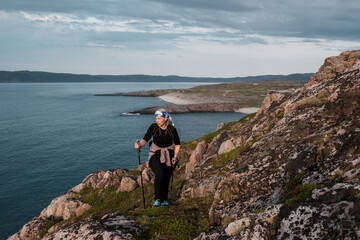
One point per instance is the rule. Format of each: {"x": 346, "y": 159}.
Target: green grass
{"x": 104, "y": 201}
{"x": 191, "y": 144}
{"x": 182, "y": 220}
{"x": 210, "y": 136}
{"x": 222, "y": 159}
{"x": 49, "y": 224}
{"x": 246, "y": 118}
{"x": 261, "y": 210}
{"x": 134, "y": 172}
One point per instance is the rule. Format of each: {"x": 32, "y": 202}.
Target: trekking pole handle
{"x": 138, "y": 143}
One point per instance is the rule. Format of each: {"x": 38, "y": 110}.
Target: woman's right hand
{"x": 137, "y": 145}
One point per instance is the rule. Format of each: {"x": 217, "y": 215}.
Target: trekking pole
{"x": 172, "y": 174}
{"x": 141, "y": 179}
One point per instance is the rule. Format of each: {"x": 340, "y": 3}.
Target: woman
{"x": 163, "y": 155}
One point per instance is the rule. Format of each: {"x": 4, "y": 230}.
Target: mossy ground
{"x": 181, "y": 220}
{"x": 191, "y": 144}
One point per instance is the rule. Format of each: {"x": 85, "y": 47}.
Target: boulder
{"x": 215, "y": 144}
{"x": 238, "y": 226}
{"x": 271, "y": 98}
{"x": 64, "y": 207}
{"x": 127, "y": 185}
{"x": 226, "y": 146}
{"x": 195, "y": 157}
{"x": 147, "y": 176}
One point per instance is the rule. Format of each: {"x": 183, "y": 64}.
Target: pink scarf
{"x": 164, "y": 156}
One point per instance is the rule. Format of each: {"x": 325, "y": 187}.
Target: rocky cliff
{"x": 290, "y": 171}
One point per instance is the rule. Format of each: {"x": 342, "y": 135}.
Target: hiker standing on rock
{"x": 163, "y": 154}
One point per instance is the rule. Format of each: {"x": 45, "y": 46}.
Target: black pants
{"x": 162, "y": 176}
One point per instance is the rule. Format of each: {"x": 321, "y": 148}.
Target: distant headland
{"x": 244, "y": 97}
{"x": 48, "y": 77}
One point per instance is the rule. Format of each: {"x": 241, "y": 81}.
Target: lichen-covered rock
{"x": 30, "y": 231}
{"x": 334, "y": 66}
{"x": 102, "y": 179}
{"x": 203, "y": 188}
{"x": 64, "y": 207}
{"x": 322, "y": 221}
{"x": 238, "y": 226}
{"x": 301, "y": 149}
{"x": 113, "y": 227}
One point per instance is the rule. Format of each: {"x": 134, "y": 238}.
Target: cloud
{"x": 335, "y": 19}
{"x": 207, "y": 34}
{"x": 229, "y": 5}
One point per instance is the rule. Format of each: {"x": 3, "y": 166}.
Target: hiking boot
{"x": 157, "y": 203}
{"x": 165, "y": 203}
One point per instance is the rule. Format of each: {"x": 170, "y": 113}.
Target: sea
{"x": 53, "y": 135}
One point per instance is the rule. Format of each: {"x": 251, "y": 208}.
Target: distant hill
{"x": 47, "y": 77}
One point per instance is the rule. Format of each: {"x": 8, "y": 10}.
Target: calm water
{"x": 52, "y": 135}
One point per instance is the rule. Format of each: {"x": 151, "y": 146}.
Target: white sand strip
{"x": 177, "y": 99}
{"x": 248, "y": 110}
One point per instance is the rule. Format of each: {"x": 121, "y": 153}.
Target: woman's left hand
{"x": 174, "y": 160}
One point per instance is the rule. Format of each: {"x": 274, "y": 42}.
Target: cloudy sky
{"x": 211, "y": 38}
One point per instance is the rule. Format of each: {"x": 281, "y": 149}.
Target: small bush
{"x": 357, "y": 195}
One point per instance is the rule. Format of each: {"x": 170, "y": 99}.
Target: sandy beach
{"x": 186, "y": 99}
{"x": 248, "y": 110}
{"x": 182, "y": 99}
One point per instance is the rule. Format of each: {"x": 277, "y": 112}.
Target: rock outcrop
{"x": 30, "y": 231}
{"x": 290, "y": 171}
{"x": 300, "y": 155}
{"x": 113, "y": 227}
{"x": 334, "y": 66}
{"x": 195, "y": 157}
{"x": 64, "y": 207}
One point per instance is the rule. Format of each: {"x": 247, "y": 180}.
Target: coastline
{"x": 179, "y": 99}
{"x": 244, "y": 97}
